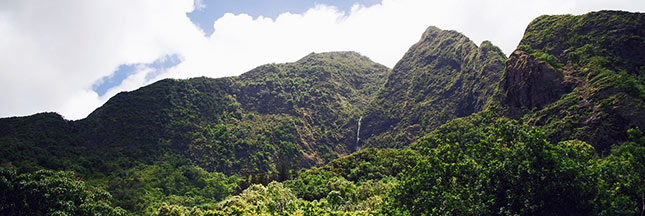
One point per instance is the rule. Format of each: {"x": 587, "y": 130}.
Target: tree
{"x": 51, "y": 192}
{"x": 502, "y": 168}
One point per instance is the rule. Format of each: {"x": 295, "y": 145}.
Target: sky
{"x": 71, "y": 56}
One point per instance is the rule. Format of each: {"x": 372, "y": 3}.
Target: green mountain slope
{"x": 441, "y": 77}
{"x": 579, "y": 77}
{"x": 296, "y": 114}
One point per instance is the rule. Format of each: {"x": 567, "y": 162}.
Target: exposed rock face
{"x": 441, "y": 77}
{"x": 530, "y": 83}
{"x": 579, "y": 77}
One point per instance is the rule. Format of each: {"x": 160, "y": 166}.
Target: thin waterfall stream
{"x": 358, "y": 131}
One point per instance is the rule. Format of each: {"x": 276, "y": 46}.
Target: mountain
{"x": 579, "y": 77}
{"x": 276, "y": 117}
{"x": 561, "y": 135}
{"x": 443, "y": 76}
{"x": 295, "y": 114}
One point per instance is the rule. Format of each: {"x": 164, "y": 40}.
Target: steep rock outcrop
{"x": 530, "y": 84}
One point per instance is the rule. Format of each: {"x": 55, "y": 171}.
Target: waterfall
{"x": 358, "y": 131}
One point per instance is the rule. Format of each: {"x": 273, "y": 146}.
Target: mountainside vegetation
{"x": 453, "y": 129}
{"x": 442, "y": 77}
{"x": 579, "y": 77}
{"x": 297, "y": 114}
{"x": 485, "y": 164}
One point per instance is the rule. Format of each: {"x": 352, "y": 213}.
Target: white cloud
{"x": 53, "y": 51}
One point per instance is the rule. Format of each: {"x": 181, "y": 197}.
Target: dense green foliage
{"x": 507, "y": 168}
{"x": 371, "y": 171}
{"x": 47, "y": 192}
{"x": 357, "y": 184}
{"x": 443, "y": 76}
{"x": 552, "y": 130}
{"x": 144, "y": 188}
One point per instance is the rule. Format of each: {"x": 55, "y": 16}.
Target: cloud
{"x": 53, "y": 52}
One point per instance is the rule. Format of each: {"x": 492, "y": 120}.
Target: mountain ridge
{"x": 312, "y": 100}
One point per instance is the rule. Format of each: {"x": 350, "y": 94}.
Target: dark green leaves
{"x": 46, "y": 192}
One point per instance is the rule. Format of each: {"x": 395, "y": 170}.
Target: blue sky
{"x": 125, "y": 70}
{"x": 206, "y": 12}
{"x": 213, "y": 9}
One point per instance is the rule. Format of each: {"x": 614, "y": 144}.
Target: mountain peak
{"x": 334, "y": 54}
{"x": 434, "y": 33}
{"x": 336, "y": 57}
{"x": 431, "y": 30}
{"x": 441, "y": 77}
